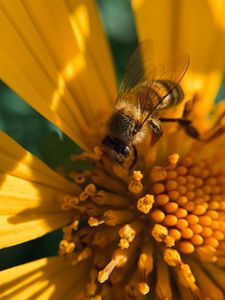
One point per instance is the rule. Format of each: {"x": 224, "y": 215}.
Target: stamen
{"x": 118, "y": 260}
{"x": 66, "y": 247}
{"x": 135, "y": 185}
{"x": 158, "y": 173}
{"x": 145, "y": 264}
{"x": 91, "y": 285}
{"x": 173, "y": 259}
{"x": 116, "y": 217}
{"x": 163, "y": 286}
{"x": 84, "y": 254}
{"x": 101, "y": 179}
{"x": 89, "y": 191}
{"x": 105, "y": 236}
{"x": 69, "y": 202}
{"x": 128, "y": 232}
{"x": 160, "y": 234}
{"x": 105, "y": 198}
{"x": 145, "y": 203}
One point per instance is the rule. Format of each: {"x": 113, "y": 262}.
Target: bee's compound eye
{"x": 126, "y": 151}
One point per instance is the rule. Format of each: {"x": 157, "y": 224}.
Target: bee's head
{"x": 116, "y": 149}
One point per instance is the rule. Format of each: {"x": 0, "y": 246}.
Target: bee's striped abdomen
{"x": 174, "y": 95}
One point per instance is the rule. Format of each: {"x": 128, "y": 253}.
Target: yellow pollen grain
{"x": 189, "y": 206}
{"x": 197, "y": 240}
{"x": 173, "y": 195}
{"x": 170, "y": 220}
{"x": 211, "y": 241}
{"x": 206, "y": 232}
{"x": 197, "y": 228}
{"x": 181, "y": 213}
{"x": 214, "y": 205}
{"x": 143, "y": 288}
{"x": 198, "y": 182}
{"x": 222, "y": 205}
{"x": 205, "y": 220}
{"x": 190, "y": 186}
{"x": 187, "y": 161}
{"x": 199, "y": 209}
{"x": 195, "y": 171}
{"x": 204, "y": 173}
{"x": 187, "y": 233}
{"x": 206, "y": 253}
{"x": 190, "y": 178}
{"x": 181, "y": 200}
{"x": 162, "y": 199}
{"x": 186, "y": 247}
{"x": 181, "y": 189}
{"x": 207, "y": 189}
{"x": 175, "y": 233}
{"x": 218, "y": 235}
{"x": 181, "y": 170}
{"x": 171, "y": 174}
{"x": 190, "y": 195}
{"x": 171, "y": 207}
{"x": 192, "y": 219}
{"x": 181, "y": 223}
{"x": 157, "y": 215}
{"x": 181, "y": 180}
{"x": 158, "y": 188}
{"x": 171, "y": 185}
{"x": 215, "y": 225}
{"x": 145, "y": 203}
{"x": 211, "y": 181}
{"x": 158, "y": 173}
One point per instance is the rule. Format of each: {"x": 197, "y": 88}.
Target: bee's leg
{"x": 135, "y": 157}
{"x": 156, "y": 131}
{"x": 186, "y": 125}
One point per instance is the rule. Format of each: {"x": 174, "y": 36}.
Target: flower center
{"x": 127, "y": 224}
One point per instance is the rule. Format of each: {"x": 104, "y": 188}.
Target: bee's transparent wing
{"x": 170, "y": 75}
{"x": 140, "y": 84}
{"x": 139, "y": 69}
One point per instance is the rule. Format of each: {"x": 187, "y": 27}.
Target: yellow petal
{"x": 196, "y": 28}
{"x": 43, "y": 279}
{"x": 55, "y": 56}
{"x": 29, "y": 195}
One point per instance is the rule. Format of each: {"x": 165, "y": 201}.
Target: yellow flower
{"x": 157, "y": 232}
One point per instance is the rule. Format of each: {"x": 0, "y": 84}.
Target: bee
{"x": 145, "y": 91}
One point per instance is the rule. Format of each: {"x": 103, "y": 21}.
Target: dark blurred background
{"x": 46, "y": 141}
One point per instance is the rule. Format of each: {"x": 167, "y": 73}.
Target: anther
{"x": 145, "y": 203}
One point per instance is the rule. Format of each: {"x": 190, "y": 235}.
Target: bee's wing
{"x": 171, "y": 74}
{"x": 139, "y": 69}
{"x": 139, "y": 84}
